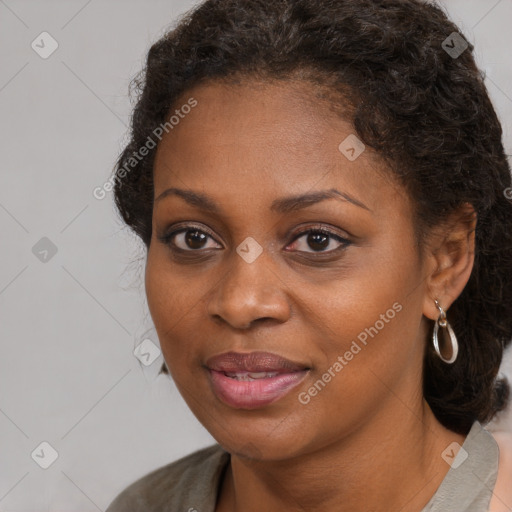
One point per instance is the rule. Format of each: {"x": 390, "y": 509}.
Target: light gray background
{"x": 68, "y": 326}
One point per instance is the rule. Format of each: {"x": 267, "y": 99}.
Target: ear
{"x": 450, "y": 254}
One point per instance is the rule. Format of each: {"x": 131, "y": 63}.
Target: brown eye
{"x": 319, "y": 240}
{"x": 195, "y": 239}
{"x": 188, "y": 239}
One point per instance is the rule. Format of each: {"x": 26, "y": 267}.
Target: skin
{"x": 368, "y": 441}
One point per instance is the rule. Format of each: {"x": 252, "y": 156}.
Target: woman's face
{"x": 253, "y": 273}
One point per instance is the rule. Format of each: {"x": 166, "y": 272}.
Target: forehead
{"x": 292, "y": 113}
{"x": 264, "y": 139}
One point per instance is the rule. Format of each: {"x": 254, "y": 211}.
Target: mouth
{"x": 253, "y": 380}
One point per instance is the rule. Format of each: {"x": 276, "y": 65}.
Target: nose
{"x": 250, "y": 292}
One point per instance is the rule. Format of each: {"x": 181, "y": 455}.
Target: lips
{"x": 253, "y": 362}
{"x": 254, "y": 379}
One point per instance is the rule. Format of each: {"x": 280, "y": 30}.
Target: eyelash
{"x": 168, "y": 237}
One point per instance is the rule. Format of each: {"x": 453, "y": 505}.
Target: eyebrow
{"x": 282, "y": 205}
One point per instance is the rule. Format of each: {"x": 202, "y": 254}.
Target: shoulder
{"x": 175, "y": 485}
{"x": 502, "y": 495}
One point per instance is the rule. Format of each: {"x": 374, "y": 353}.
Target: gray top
{"x": 191, "y": 483}
{"x": 468, "y": 486}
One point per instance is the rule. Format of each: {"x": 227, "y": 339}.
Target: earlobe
{"x": 451, "y": 256}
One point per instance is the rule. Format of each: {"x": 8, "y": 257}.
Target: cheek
{"x": 373, "y": 293}
{"x": 166, "y": 302}
{"x": 366, "y": 327}
{"x": 159, "y": 290}
{"x": 170, "y": 291}
{"x": 176, "y": 302}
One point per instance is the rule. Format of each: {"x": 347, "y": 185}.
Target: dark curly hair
{"x": 425, "y": 111}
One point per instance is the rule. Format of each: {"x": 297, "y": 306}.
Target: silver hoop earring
{"x": 443, "y": 322}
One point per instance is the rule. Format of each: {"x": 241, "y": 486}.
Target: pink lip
{"x": 258, "y": 392}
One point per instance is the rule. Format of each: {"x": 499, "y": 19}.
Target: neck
{"x": 381, "y": 466}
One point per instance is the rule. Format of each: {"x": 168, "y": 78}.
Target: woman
{"x": 322, "y": 189}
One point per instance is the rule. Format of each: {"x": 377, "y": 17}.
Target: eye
{"x": 188, "y": 239}
{"x": 320, "y": 240}
{"x": 192, "y": 239}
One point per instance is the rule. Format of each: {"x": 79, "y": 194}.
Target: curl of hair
{"x": 427, "y": 114}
